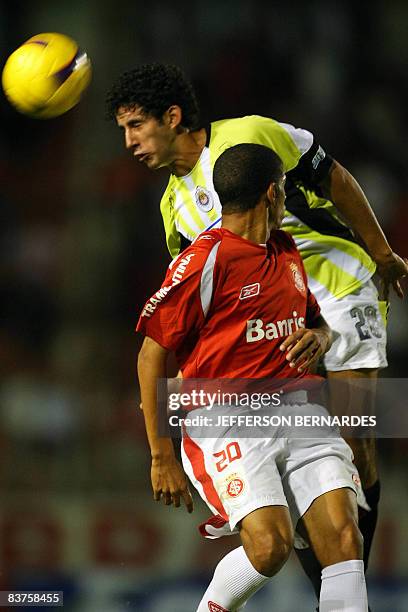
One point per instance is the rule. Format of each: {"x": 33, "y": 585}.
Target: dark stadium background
{"x": 82, "y": 246}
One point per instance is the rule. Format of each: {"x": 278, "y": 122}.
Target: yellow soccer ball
{"x": 46, "y": 76}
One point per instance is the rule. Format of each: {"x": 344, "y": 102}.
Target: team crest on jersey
{"x": 214, "y": 607}
{"x": 204, "y": 199}
{"x": 297, "y": 277}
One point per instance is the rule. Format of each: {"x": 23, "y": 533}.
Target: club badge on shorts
{"x": 298, "y": 278}
{"x": 204, "y": 199}
{"x": 234, "y": 486}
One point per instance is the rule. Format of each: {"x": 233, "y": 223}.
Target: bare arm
{"x": 306, "y": 345}
{"x": 345, "y": 192}
{"x": 167, "y": 476}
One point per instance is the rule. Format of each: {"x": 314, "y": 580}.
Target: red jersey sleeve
{"x": 176, "y": 310}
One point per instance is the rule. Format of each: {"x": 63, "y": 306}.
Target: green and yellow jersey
{"x": 335, "y": 263}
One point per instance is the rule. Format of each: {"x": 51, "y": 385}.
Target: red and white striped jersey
{"x": 226, "y": 305}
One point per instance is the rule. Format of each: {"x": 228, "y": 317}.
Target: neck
{"x": 251, "y": 224}
{"x": 188, "y": 148}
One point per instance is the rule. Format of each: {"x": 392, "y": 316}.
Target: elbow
{"x": 336, "y": 181}
{"x": 145, "y": 353}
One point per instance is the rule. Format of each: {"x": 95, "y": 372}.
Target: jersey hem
{"x": 357, "y": 366}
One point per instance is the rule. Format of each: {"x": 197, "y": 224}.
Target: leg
{"x": 332, "y": 529}
{"x": 360, "y": 400}
{"x": 267, "y": 539}
{"x": 331, "y": 525}
{"x": 349, "y": 398}
{"x": 311, "y": 567}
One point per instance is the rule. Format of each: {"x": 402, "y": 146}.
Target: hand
{"x": 170, "y": 483}
{"x": 305, "y": 347}
{"x": 391, "y": 269}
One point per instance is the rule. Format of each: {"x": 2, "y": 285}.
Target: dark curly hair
{"x": 155, "y": 87}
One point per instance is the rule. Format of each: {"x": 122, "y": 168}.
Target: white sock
{"x": 344, "y": 588}
{"x": 235, "y": 580}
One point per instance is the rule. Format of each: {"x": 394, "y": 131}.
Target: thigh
{"x": 352, "y": 392}
{"x": 314, "y": 467}
{"x": 234, "y": 476}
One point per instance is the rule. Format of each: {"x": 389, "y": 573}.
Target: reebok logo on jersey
{"x": 257, "y": 330}
{"x": 204, "y": 237}
{"x": 249, "y": 291}
{"x": 319, "y": 156}
{"x": 177, "y": 277}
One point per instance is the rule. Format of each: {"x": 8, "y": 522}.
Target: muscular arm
{"x": 344, "y": 191}
{"x": 167, "y": 476}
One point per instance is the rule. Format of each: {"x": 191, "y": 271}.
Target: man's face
{"x": 149, "y": 139}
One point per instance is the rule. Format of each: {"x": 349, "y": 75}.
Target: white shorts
{"x": 235, "y": 476}
{"x": 359, "y": 336}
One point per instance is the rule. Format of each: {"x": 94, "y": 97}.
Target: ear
{"x": 173, "y": 116}
{"x": 272, "y": 193}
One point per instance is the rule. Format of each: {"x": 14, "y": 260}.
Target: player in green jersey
{"x": 334, "y": 227}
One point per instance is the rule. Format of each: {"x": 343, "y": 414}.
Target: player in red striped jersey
{"x": 276, "y": 330}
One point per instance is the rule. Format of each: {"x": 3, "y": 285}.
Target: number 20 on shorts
{"x": 231, "y": 452}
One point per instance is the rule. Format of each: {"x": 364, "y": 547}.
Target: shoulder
{"x": 242, "y": 126}
{"x": 198, "y": 251}
{"x": 207, "y": 240}
{"x": 284, "y": 240}
{"x": 287, "y": 141}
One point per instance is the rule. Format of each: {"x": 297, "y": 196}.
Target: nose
{"x": 130, "y": 141}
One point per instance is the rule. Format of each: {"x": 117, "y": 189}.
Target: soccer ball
{"x": 46, "y": 76}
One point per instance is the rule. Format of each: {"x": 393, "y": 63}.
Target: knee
{"x": 270, "y": 551}
{"x": 350, "y": 541}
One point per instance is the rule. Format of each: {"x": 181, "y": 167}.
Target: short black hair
{"x": 155, "y": 87}
{"x": 243, "y": 173}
